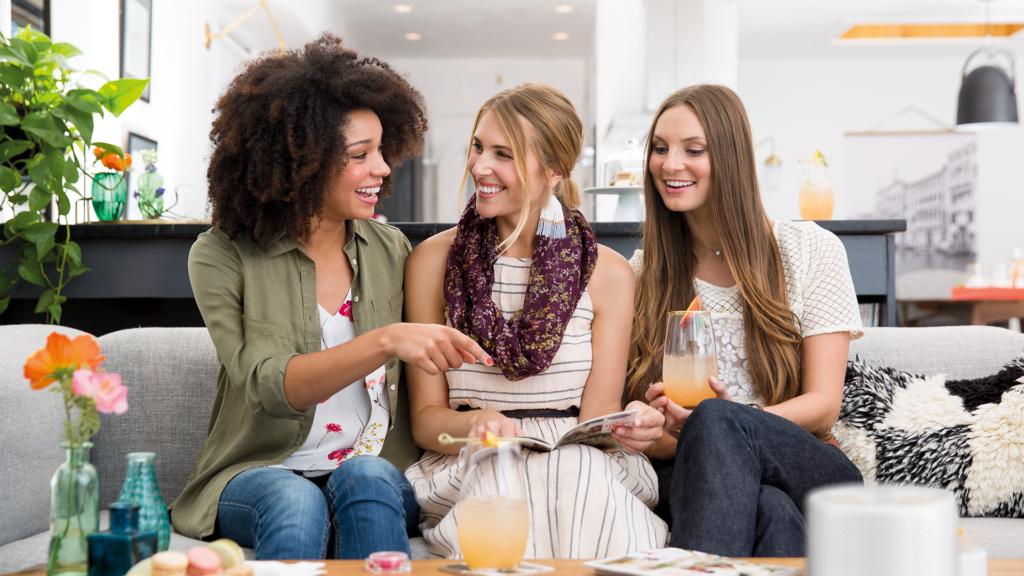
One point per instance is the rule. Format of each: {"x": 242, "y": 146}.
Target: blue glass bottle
{"x": 140, "y": 488}
{"x": 114, "y": 552}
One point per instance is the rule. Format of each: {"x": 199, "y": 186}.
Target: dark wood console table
{"x": 139, "y": 272}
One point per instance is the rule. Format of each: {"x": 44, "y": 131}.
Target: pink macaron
{"x": 203, "y": 562}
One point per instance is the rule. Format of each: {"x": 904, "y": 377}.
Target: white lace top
{"x": 820, "y": 291}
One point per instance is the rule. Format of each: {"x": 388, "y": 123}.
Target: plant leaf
{"x": 63, "y": 203}
{"x": 74, "y": 252}
{"x": 47, "y": 128}
{"x": 70, "y": 170}
{"x": 109, "y": 148}
{"x": 5, "y": 283}
{"x": 85, "y": 100}
{"x": 44, "y": 245}
{"x": 41, "y": 230}
{"x": 76, "y": 270}
{"x": 84, "y": 122}
{"x": 66, "y": 49}
{"x": 45, "y": 299}
{"x": 9, "y": 114}
{"x": 58, "y": 59}
{"x": 39, "y": 170}
{"x": 23, "y": 219}
{"x": 9, "y": 179}
{"x": 11, "y": 148}
{"x": 3, "y": 304}
{"x": 24, "y": 49}
{"x": 121, "y": 94}
{"x": 54, "y": 310}
{"x": 38, "y": 199}
{"x": 31, "y": 274}
{"x": 11, "y": 56}
{"x": 12, "y": 76}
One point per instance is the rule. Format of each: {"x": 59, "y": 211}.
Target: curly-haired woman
{"x": 784, "y": 310}
{"x": 301, "y": 292}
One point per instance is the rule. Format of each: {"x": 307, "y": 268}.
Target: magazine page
{"x": 596, "y": 432}
{"x": 679, "y": 562}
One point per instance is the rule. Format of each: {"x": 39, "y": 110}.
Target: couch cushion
{"x": 956, "y": 351}
{"x": 171, "y": 375}
{"x": 966, "y": 436}
{"x": 32, "y": 424}
{"x": 32, "y": 550}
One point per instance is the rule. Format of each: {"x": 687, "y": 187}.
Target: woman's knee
{"x": 363, "y": 470}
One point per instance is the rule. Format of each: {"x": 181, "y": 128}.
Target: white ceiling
{"x": 768, "y": 29}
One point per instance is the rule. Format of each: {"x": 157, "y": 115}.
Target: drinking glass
{"x": 817, "y": 193}
{"x": 976, "y": 276}
{"x": 690, "y": 358}
{"x": 493, "y": 511}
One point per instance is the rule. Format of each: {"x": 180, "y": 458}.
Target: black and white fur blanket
{"x": 963, "y": 435}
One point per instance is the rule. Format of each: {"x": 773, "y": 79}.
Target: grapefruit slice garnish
{"x": 490, "y": 440}
{"x": 695, "y": 306}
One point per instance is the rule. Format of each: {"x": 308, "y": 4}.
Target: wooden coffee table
{"x": 996, "y": 567}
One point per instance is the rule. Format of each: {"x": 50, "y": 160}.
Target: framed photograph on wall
{"x": 136, "y": 144}
{"x": 136, "y": 40}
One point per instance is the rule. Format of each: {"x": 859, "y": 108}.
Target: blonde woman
{"x": 523, "y": 275}
{"x": 784, "y": 310}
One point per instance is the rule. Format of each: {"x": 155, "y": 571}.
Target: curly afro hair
{"x": 278, "y": 134}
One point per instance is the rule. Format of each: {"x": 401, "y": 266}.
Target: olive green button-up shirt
{"x": 260, "y": 308}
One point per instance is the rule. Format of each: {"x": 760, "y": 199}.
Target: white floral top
{"x": 820, "y": 291}
{"x": 354, "y": 421}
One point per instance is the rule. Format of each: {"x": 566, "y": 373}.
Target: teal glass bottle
{"x": 140, "y": 488}
{"x": 74, "y": 512}
{"x": 114, "y": 552}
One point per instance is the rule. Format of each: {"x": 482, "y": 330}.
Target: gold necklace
{"x": 718, "y": 253}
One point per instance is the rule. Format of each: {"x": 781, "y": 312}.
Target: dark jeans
{"x": 366, "y": 504}
{"x": 739, "y": 480}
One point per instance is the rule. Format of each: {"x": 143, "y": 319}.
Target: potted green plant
{"x": 47, "y": 118}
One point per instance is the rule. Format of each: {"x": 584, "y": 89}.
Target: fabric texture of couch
{"x": 171, "y": 377}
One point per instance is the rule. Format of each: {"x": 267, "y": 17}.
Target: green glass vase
{"x": 140, "y": 488}
{"x": 150, "y": 203}
{"x": 74, "y": 512}
{"x": 109, "y": 195}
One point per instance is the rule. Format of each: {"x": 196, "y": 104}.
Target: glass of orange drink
{"x": 493, "y": 515}
{"x": 690, "y": 358}
{"x": 817, "y": 193}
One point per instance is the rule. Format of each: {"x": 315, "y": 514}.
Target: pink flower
{"x": 340, "y": 455}
{"x": 332, "y": 427}
{"x": 346, "y": 310}
{"x": 105, "y": 389}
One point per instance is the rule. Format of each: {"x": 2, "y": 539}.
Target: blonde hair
{"x": 556, "y": 135}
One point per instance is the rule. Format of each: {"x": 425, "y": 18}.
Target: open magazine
{"x": 596, "y": 432}
{"x": 679, "y": 562}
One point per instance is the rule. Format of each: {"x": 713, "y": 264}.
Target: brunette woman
{"x": 784, "y": 310}
{"x": 302, "y": 295}
{"x": 523, "y": 275}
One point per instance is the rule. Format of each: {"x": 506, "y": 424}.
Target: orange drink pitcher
{"x": 690, "y": 357}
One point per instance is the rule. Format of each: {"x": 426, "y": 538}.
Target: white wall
{"x": 187, "y": 78}
{"x": 810, "y": 104}
{"x": 455, "y": 88}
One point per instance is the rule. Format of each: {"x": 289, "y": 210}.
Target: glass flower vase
{"x": 140, "y": 488}
{"x": 151, "y": 204}
{"x": 109, "y": 195}
{"x": 74, "y": 512}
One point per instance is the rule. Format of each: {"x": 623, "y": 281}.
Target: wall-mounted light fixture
{"x": 771, "y": 174}
{"x": 242, "y": 18}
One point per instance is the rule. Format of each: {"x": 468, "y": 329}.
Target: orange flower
{"x": 112, "y": 161}
{"x": 60, "y": 353}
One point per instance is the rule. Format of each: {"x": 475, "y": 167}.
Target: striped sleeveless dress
{"x": 584, "y": 503}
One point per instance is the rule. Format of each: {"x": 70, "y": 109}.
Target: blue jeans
{"x": 365, "y": 505}
{"x": 740, "y": 478}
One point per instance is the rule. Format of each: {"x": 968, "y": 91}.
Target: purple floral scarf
{"x": 525, "y": 345}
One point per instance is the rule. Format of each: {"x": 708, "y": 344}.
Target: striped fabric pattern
{"x": 584, "y": 503}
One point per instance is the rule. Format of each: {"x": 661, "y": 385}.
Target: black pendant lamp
{"x": 988, "y": 99}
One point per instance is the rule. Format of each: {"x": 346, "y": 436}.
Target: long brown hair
{"x": 556, "y": 135}
{"x": 666, "y": 280}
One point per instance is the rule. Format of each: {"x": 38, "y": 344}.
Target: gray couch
{"x": 171, "y": 375}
